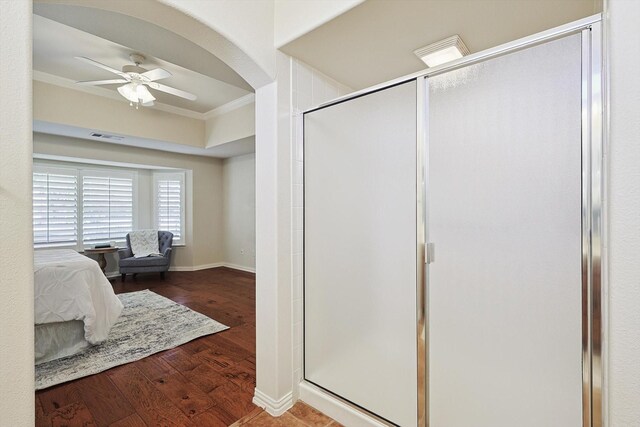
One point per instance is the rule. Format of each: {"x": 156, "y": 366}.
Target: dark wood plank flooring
{"x": 207, "y": 382}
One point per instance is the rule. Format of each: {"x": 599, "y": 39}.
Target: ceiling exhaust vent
{"x": 443, "y": 51}
{"x": 107, "y": 136}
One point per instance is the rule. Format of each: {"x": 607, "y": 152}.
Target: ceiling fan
{"x": 136, "y": 80}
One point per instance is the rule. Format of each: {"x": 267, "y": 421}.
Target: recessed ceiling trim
{"x": 53, "y": 157}
{"x": 95, "y": 90}
{"x": 229, "y": 149}
{"x": 230, "y": 106}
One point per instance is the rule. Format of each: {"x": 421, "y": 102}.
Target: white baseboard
{"x": 275, "y": 408}
{"x": 240, "y": 267}
{"x": 112, "y": 274}
{"x": 213, "y": 265}
{"x": 335, "y": 408}
{"x": 197, "y": 267}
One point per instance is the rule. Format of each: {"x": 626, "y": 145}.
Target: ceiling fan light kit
{"x": 136, "y": 80}
{"x": 137, "y": 94}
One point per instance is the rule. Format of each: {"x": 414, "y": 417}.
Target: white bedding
{"x": 70, "y": 286}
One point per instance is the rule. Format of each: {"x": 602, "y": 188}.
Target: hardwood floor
{"x": 206, "y": 382}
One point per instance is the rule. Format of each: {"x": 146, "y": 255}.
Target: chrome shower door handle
{"x": 430, "y": 253}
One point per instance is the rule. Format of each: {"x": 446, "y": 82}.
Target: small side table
{"x": 102, "y": 262}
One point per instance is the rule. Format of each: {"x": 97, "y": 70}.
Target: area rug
{"x": 149, "y": 323}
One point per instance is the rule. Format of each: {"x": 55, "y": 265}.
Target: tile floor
{"x": 301, "y": 415}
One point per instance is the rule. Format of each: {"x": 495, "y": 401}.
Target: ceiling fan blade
{"x": 102, "y": 82}
{"x": 156, "y": 74}
{"x": 104, "y": 67}
{"x": 172, "y": 91}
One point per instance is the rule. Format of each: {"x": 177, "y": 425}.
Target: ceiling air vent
{"x": 107, "y": 136}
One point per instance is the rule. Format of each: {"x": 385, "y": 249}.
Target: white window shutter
{"x": 55, "y": 207}
{"x": 169, "y": 204}
{"x": 107, "y": 206}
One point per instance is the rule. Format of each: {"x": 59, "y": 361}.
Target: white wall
{"x": 239, "y": 216}
{"x": 294, "y": 18}
{"x": 204, "y": 225}
{"x": 231, "y": 126}
{"x": 16, "y": 245}
{"x": 273, "y": 318}
{"x": 624, "y": 214}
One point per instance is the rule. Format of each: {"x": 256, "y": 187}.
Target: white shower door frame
{"x": 593, "y": 190}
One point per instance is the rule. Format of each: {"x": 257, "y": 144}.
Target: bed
{"x": 75, "y": 306}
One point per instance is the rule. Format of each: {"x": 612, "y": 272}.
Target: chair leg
{"x": 124, "y": 276}
{"x": 162, "y": 275}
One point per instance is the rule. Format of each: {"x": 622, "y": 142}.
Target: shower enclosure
{"x": 452, "y": 238}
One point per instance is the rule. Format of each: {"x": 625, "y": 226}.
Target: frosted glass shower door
{"x": 360, "y": 329}
{"x": 504, "y": 197}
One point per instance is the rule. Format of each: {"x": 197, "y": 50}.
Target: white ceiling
{"x": 374, "y": 41}
{"x": 55, "y": 45}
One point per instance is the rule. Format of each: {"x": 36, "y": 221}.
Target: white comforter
{"x": 70, "y": 286}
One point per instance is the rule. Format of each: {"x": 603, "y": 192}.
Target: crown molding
{"x": 230, "y": 106}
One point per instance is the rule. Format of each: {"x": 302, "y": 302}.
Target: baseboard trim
{"x": 112, "y": 274}
{"x": 335, "y": 408}
{"x": 197, "y": 267}
{"x": 275, "y": 408}
{"x": 240, "y": 267}
{"x": 213, "y": 265}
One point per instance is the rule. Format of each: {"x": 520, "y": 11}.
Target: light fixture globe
{"x": 129, "y": 92}
{"x": 136, "y": 94}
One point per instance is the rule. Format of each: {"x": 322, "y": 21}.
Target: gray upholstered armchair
{"x": 151, "y": 264}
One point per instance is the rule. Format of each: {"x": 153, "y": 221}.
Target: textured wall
{"x": 231, "y": 126}
{"x": 624, "y": 214}
{"x": 239, "y": 217}
{"x": 16, "y": 253}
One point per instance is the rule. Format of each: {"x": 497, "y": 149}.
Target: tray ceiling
{"x": 56, "y": 44}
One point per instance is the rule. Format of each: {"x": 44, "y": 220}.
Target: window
{"x": 107, "y": 206}
{"x": 55, "y": 206}
{"x": 77, "y": 205}
{"x": 169, "y": 202}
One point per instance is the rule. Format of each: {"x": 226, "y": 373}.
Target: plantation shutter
{"x": 169, "y": 200}
{"x": 55, "y": 208}
{"x": 107, "y": 207}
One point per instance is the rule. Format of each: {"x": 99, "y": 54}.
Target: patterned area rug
{"x": 149, "y": 323}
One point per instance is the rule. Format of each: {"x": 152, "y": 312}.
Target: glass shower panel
{"x": 360, "y": 328}
{"x": 504, "y": 196}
